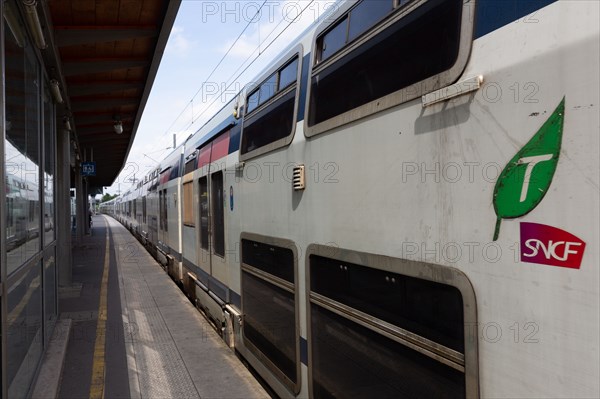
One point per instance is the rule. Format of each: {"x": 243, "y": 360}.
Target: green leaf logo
{"x": 526, "y": 178}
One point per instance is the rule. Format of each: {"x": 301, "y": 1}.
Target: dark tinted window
{"x": 144, "y": 214}
{"x": 427, "y": 308}
{"x": 190, "y": 165}
{"x": 270, "y": 124}
{"x": 268, "y": 89}
{"x": 422, "y": 44}
{"x": 275, "y": 120}
{"x": 218, "y": 213}
{"x": 162, "y": 209}
{"x": 288, "y": 74}
{"x": 252, "y": 102}
{"x": 351, "y": 361}
{"x": 272, "y": 259}
{"x": 270, "y": 322}
{"x": 174, "y": 171}
{"x": 334, "y": 40}
{"x": 367, "y": 14}
{"x": 203, "y": 204}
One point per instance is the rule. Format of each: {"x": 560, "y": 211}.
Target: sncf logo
{"x": 550, "y": 246}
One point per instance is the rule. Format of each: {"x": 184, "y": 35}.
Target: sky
{"x": 202, "y": 60}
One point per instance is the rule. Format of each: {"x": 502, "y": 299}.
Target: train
{"x": 405, "y": 203}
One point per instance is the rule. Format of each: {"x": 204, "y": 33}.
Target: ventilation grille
{"x": 299, "y": 178}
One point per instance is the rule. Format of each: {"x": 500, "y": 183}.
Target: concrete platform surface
{"x": 48, "y": 380}
{"x": 157, "y": 344}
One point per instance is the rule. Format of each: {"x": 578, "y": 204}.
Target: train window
{"x": 164, "y": 211}
{"x": 288, "y": 74}
{"x": 269, "y": 305}
{"x": 379, "y": 63}
{"x": 144, "y": 214}
{"x": 267, "y": 89}
{"x": 394, "y": 327}
{"x": 174, "y": 171}
{"x": 271, "y": 259}
{"x": 188, "y": 204}
{"x": 203, "y": 204}
{"x": 333, "y": 40}
{"x": 218, "y": 208}
{"x": 369, "y": 362}
{"x": 365, "y": 15}
{"x": 423, "y": 307}
{"x": 252, "y": 102}
{"x": 160, "y": 210}
{"x": 190, "y": 164}
{"x": 270, "y": 111}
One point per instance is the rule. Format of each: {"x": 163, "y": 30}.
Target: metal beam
{"x": 103, "y": 34}
{"x": 82, "y": 121}
{"x": 100, "y": 104}
{"x": 86, "y": 89}
{"x": 81, "y": 67}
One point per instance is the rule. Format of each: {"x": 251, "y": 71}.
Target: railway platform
{"x": 134, "y": 333}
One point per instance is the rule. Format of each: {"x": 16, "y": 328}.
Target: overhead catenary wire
{"x": 217, "y": 95}
{"x": 215, "y": 68}
{"x": 261, "y": 50}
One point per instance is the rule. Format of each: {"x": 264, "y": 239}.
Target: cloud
{"x": 178, "y": 43}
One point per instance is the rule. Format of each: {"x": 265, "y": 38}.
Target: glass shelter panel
{"x": 50, "y": 294}
{"x": 22, "y": 153}
{"x": 24, "y": 340}
{"x": 49, "y": 170}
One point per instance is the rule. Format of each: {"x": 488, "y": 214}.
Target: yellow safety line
{"x": 98, "y": 369}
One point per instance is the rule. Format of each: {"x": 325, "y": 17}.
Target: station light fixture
{"x": 55, "y": 89}
{"x": 118, "y": 126}
{"x": 67, "y": 122}
{"x": 33, "y": 20}
{"x": 14, "y": 25}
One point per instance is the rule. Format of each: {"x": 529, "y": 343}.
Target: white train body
{"x": 479, "y": 184}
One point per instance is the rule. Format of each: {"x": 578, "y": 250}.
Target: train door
{"x": 217, "y": 206}
{"x": 212, "y": 227}
{"x": 163, "y": 222}
{"x": 203, "y": 211}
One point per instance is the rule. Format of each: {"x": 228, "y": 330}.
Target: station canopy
{"x": 105, "y": 56}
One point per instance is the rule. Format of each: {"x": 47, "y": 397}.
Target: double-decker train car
{"x": 404, "y": 204}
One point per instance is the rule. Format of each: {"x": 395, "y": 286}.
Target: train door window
{"x": 382, "y": 53}
{"x": 144, "y": 214}
{"x": 135, "y": 209}
{"x": 160, "y": 209}
{"x": 164, "y": 212}
{"x": 203, "y": 205}
{"x": 190, "y": 162}
{"x": 396, "y": 331}
{"x": 188, "y": 204}
{"x": 269, "y": 305}
{"x": 218, "y": 208}
{"x": 270, "y": 115}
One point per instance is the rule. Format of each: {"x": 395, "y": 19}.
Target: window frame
{"x": 297, "y": 52}
{"x": 425, "y": 271}
{"x": 409, "y": 93}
